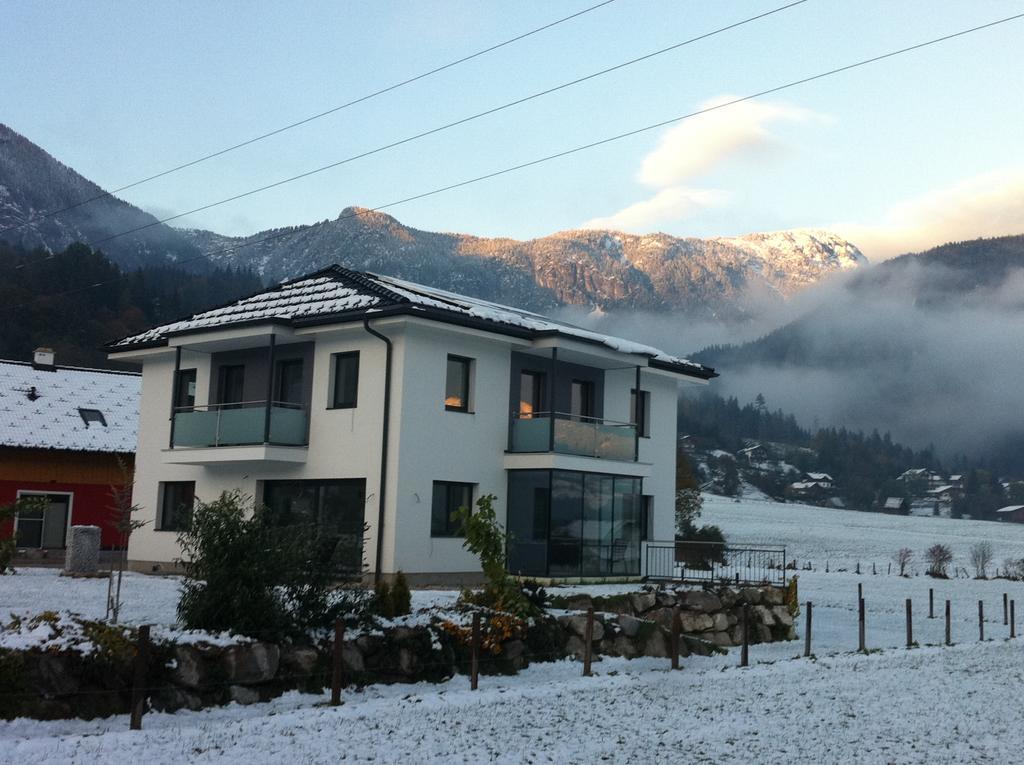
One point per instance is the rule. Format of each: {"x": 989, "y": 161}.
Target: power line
{"x": 311, "y": 118}
{"x": 449, "y": 125}
{"x": 568, "y": 152}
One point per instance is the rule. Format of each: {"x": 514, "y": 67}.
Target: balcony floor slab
{"x": 554, "y": 461}
{"x": 223, "y": 455}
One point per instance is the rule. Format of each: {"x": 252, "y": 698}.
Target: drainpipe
{"x": 383, "y": 449}
{"x": 174, "y": 393}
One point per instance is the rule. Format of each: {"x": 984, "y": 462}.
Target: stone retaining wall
{"x": 47, "y": 684}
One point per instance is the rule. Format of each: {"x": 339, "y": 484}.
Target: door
{"x": 531, "y": 394}
{"x": 231, "y": 384}
{"x": 581, "y": 399}
{"x": 288, "y": 382}
{"x": 45, "y": 525}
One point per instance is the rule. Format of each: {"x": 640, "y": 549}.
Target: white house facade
{"x": 374, "y": 407}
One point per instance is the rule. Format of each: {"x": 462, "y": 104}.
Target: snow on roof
{"x": 893, "y": 503}
{"x": 941, "y": 489}
{"x": 1010, "y": 509}
{"x": 819, "y": 476}
{"x": 43, "y": 409}
{"x": 336, "y": 291}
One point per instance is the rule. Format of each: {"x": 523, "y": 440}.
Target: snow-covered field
{"x": 930, "y": 704}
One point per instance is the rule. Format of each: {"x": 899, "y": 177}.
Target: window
{"x": 231, "y": 384}
{"x": 456, "y": 385}
{"x": 640, "y": 416}
{"x": 176, "y": 501}
{"x": 581, "y": 399}
{"x": 346, "y": 380}
{"x": 531, "y": 394}
{"x": 288, "y": 381}
{"x": 185, "y": 392}
{"x": 43, "y": 520}
{"x": 92, "y": 415}
{"x": 646, "y": 517}
{"x": 448, "y": 497}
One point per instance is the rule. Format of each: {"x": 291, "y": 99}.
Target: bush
{"x": 707, "y": 549}
{"x": 401, "y": 597}
{"x": 383, "y": 604}
{"x": 248, "y": 575}
{"x": 939, "y": 557}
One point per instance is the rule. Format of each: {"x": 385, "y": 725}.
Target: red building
{"x": 1012, "y": 513}
{"x": 67, "y": 435}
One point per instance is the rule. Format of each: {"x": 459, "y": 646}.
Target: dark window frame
{"x": 279, "y": 371}
{"x": 89, "y": 414}
{"x": 467, "y": 364}
{"x": 450, "y": 529}
{"x": 588, "y": 399}
{"x": 186, "y": 401}
{"x": 641, "y": 418}
{"x": 336, "y": 359}
{"x": 170, "y": 521}
{"x": 538, "y": 389}
{"x": 222, "y": 375}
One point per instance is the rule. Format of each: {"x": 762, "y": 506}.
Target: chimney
{"x": 44, "y": 358}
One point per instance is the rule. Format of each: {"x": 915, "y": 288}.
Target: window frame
{"x": 467, "y": 365}
{"x": 279, "y": 372}
{"x": 223, "y": 373}
{"x": 641, "y": 419}
{"x": 161, "y": 524}
{"x": 184, "y": 377}
{"x": 450, "y": 530}
{"x": 538, "y": 385}
{"x": 588, "y": 400}
{"x": 336, "y": 359}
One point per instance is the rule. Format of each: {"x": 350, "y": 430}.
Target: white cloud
{"x": 991, "y": 204}
{"x": 668, "y": 204}
{"x": 696, "y": 145}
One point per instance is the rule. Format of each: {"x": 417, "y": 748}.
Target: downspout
{"x": 381, "y": 491}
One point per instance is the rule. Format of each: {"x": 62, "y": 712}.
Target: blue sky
{"x": 896, "y": 155}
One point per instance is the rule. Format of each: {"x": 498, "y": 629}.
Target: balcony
{"x": 247, "y": 423}
{"x": 563, "y": 433}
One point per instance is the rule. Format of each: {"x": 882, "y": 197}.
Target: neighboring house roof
{"x": 336, "y": 294}
{"x": 894, "y": 503}
{"x": 941, "y": 489}
{"x": 57, "y": 408}
{"x": 799, "y": 485}
{"x": 1010, "y": 509}
{"x": 819, "y": 476}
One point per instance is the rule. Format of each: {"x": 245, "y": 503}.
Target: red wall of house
{"x": 90, "y": 505}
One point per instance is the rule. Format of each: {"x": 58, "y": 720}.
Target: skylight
{"x": 92, "y": 415}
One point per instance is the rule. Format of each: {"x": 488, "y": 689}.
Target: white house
{"x": 348, "y": 398}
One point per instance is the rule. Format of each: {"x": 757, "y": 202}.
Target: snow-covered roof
{"x": 819, "y": 476}
{"x": 340, "y": 294}
{"x": 1010, "y": 509}
{"x": 893, "y": 503}
{"x": 941, "y": 489}
{"x": 43, "y": 408}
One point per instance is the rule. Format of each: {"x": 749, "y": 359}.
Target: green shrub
{"x": 383, "y": 601}
{"x": 246, "y": 574}
{"x": 707, "y": 546}
{"x": 401, "y": 597}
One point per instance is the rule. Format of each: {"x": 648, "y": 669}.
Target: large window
{"x": 564, "y": 523}
{"x": 43, "y": 522}
{"x": 177, "y": 498}
{"x": 288, "y": 381}
{"x": 448, "y": 497}
{"x": 456, "y": 385}
{"x": 346, "y": 380}
{"x": 581, "y": 399}
{"x": 334, "y": 507}
{"x": 640, "y": 412}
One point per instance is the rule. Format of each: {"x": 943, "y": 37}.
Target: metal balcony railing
{"x": 565, "y": 433}
{"x": 714, "y": 563}
{"x": 242, "y": 423}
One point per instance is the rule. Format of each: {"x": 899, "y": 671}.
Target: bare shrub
{"x": 903, "y": 557}
{"x": 939, "y": 557}
{"x": 981, "y": 559}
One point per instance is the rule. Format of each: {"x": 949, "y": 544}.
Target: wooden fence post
{"x": 674, "y": 641}
{"x": 1006, "y": 609}
{"x": 745, "y": 650}
{"x": 981, "y": 620}
{"x": 807, "y": 630}
{"x": 474, "y": 660}
{"x": 861, "y": 626}
{"x": 588, "y": 638}
{"x": 860, "y": 591}
{"x": 1013, "y": 619}
{"x": 931, "y": 603}
{"x": 336, "y": 662}
{"x": 139, "y": 678}
{"x": 949, "y": 624}
{"x": 910, "y": 624}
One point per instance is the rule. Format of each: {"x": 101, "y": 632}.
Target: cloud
{"x": 667, "y": 204}
{"x": 695, "y": 146}
{"x": 991, "y": 204}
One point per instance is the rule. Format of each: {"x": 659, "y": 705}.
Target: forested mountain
{"x": 34, "y": 313}
{"x": 729, "y": 278}
{"x": 32, "y": 183}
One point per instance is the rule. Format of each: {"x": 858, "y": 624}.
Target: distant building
{"x": 753, "y": 455}
{"x": 824, "y": 480}
{"x": 899, "y": 505}
{"x": 1012, "y": 513}
{"x": 67, "y": 435}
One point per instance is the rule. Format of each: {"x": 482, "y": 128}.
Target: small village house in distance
{"x": 67, "y": 435}
{"x": 347, "y": 398}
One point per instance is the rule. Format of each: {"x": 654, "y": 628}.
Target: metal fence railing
{"x": 714, "y": 563}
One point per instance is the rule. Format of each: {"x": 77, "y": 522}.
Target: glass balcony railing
{"x": 241, "y": 424}
{"x": 572, "y": 434}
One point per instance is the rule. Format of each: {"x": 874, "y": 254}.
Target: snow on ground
{"x": 928, "y": 705}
